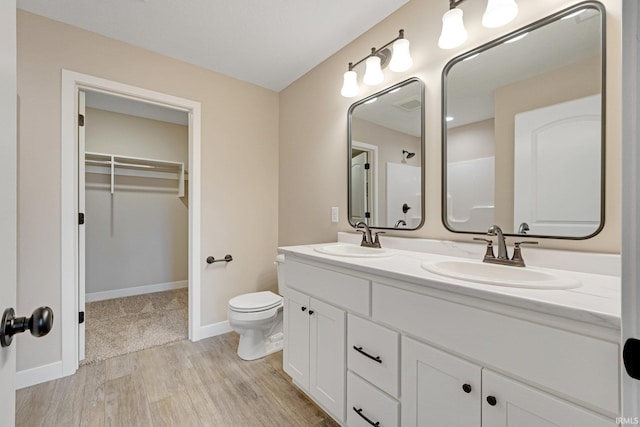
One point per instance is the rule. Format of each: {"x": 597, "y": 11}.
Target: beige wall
{"x": 239, "y": 167}
{"x": 313, "y": 123}
{"x": 139, "y": 235}
{"x": 472, "y": 141}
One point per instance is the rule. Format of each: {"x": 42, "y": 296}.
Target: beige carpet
{"x": 123, "y": 325}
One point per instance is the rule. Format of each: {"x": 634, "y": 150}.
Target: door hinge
{"x": 81, "y": 218}
{"x": 80, "y": 120}
{"x": 81, "y": 317}
{"x": 367, "y": 166}
{"x": 631, "y": 357}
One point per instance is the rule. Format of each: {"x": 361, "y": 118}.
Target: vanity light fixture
{"x": 497, "y": 14}
{"x": 375, "y": 62}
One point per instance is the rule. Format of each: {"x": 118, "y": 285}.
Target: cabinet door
{"x": 328, "y": 357}
{"x": 510, "y": 403}
{"x": 438, "y": 389}
{"x": 296, "y": 337}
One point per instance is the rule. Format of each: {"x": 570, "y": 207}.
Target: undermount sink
{"x": 352, "y": 251}
{"x": 500, "y": 275}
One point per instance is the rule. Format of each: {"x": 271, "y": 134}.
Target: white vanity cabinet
{"x": 374, "y": 350}
{"x": 441, "y": 389}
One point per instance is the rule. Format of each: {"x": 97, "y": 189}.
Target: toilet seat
{"x": 255, "y": 302}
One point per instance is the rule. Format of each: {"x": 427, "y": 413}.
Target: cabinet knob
{"x": 310, "y": 312}
{"x": 303, "y": 308}
{"x": 466, "y": 388}
{"x": 491, "y": 400}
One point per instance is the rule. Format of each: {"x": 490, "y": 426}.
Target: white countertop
{"x": 596, "y": 301}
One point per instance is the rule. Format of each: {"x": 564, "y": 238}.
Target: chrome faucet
{"x": 494, "y": 230}
{"x": 503, "y": 256}
{"x": 399, "y": 223}
{"x": 523, "y": 228}
{"x": 367, "y": 239}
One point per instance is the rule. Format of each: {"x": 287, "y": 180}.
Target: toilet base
{"x": 254, "y": 345}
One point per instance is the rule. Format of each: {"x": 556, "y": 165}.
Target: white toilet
{"x": 257, "y": 317}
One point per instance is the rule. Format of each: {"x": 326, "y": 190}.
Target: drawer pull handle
{"x": 359, "y": 412}
{"x": 466, "y": 388}
{"x": 491, "y": 400}
{"x": 359, "y": 350}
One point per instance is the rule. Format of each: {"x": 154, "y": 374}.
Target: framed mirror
{"x": 386, "y": 158}
{"x": 523, "y": 122}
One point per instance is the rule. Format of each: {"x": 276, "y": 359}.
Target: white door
{"x": 438, "y": 389}
{"x": 507, "y": 403}
{"x": 8, "y": 143}
{"x": 327, "y": 357}
{"x": 296, "y": 337}
{"x": 630, "y": 201}
{"x": 81, "y": 227}
{"x": 359, "y": 192}
{"x": 557, "y": 157}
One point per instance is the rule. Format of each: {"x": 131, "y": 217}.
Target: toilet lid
{"x": 255, "y": 301}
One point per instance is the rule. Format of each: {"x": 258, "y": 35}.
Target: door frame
{"x": 9, "y": 117}
{"x": 72, "y": 82}
{"x": 373, "y": 177}
{"x": 630, "y": 276}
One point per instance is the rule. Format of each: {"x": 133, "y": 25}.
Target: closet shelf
{"x": 114, "y": 161}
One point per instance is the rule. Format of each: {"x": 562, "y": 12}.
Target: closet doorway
{"x": 133, "y": 192}
{"x": 131, "y": 213}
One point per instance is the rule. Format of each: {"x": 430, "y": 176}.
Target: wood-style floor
{"x": 178, "y": 384}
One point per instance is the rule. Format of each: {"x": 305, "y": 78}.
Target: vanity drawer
{"x": 342, "y": 290}
{"x": 373, "y": 353}
{"x": 364, "y": 400}
{"x": 574, "y": 366}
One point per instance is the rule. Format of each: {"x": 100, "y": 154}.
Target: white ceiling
{"x": 270, "y": 43}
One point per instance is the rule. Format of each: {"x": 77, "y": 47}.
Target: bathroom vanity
{"x": 379, "y": 339}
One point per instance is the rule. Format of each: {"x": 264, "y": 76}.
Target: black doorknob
{"x": 491, "y": 400}
{"x": 303, "y": 308}
{"x": 466, "y": 388}
{"x": 311, "y": 312}
{"x": 39, "y": 323}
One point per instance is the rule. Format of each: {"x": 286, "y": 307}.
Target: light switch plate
{"x": 334, "y": 214}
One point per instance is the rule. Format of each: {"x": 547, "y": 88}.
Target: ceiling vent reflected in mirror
{"x": 409, "y": 104}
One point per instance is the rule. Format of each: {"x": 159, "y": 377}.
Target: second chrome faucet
{"x": 503, "y": 256}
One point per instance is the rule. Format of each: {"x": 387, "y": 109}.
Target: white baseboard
{"x": 38, "y": 375}
{"x": 138, "y": 290}
{"x": 212, "y": 330}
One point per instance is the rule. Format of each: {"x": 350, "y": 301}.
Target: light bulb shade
{"x": 453, "y": 31}
{"x": 401, "y": 58}
{"x": 373, "y": 72}
{"x": 499, "y": 13}
{"x": 350, "y": 85}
